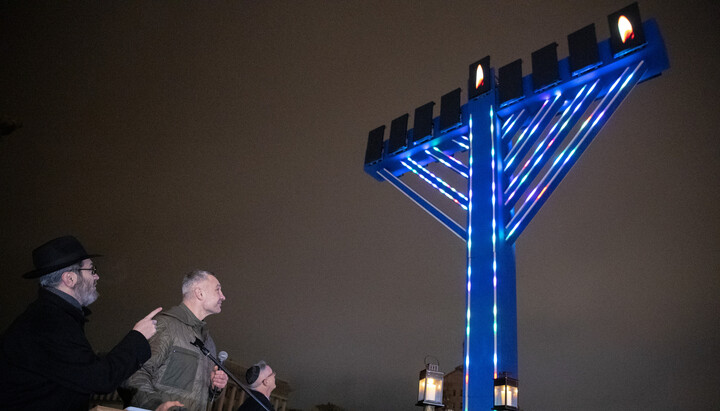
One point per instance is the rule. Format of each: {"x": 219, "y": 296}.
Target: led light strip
{"x": 540, "y": 117}
{"x": 461, "y": 144}
{"x": 552, "y": 135}
{"x": 458, "y": 167}
{"x": 409, "y": 167}
{"x": 540, "y": 146}
{"x": 458, "y": 162}
{"x": 469, "y": 272}
{"x": 514, "y": 116}
{"x": 438, "y": 179}
{"x": 579, "y": 138}
{"x": 587, "y": 121}
{"x": 536, "y": 121}
{"x": 494, "y": 241}
{"x": 507, "y": 128}
{"x": 433, "y": 211}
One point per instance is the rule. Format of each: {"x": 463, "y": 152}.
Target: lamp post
{"x": 430, "y": 387}
{"x": 505, "y": 396}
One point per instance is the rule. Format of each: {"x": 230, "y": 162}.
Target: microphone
{"x": 198, "y": 343}
{"x": 222, "y": 356}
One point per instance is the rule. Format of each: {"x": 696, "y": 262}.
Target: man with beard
{"x": 46, "y": 362}
{"x": 177, "y": 369}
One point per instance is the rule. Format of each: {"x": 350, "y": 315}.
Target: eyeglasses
{"x": 93, "y": 270}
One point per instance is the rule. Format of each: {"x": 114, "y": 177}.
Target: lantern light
{"x": 505, "y": 396}
{"x": 430, "y": 386}
{"x": 479, "y": 78}
{"x": 626, "y": 30}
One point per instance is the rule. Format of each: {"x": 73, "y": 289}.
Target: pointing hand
{"x": 146, "y": 326}
{"x": 167, "y": 405}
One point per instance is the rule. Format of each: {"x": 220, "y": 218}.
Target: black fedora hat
{"x": 56, "y": 254}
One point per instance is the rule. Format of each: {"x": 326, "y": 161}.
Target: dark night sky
{"x": 230, "y": 136}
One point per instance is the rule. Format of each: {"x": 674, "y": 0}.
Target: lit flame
{"x": 625, "y": 29}
{"x": 479, "y": 77}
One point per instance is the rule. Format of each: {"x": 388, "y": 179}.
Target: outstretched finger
{"x": 169, "y": 404}
{"x": 153, "y": 313}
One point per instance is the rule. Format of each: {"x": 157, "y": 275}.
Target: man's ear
{"x": 69, "y": 278}
{"x": 199, "y": 293}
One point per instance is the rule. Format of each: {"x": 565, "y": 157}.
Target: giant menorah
{"x": 510, "y": 146}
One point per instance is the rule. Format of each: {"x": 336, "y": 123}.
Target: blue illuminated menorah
{"x": 519, "y": 136}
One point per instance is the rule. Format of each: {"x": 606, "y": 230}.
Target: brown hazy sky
{"x": 230, "y": 136}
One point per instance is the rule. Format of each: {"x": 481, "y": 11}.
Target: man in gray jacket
{"x": 177, "y": 370}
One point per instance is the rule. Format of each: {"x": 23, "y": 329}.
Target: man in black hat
{"x": 261, "y": 380}
{"x": 46, "y": 362}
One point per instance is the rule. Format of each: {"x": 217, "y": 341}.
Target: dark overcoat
{"x": 251, "y": 404}
{"x": 47, "y": 363}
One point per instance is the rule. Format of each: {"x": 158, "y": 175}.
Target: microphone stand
{"x": 244, "y": 387}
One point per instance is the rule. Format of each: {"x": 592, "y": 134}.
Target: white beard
{"x": 85, "y": 292}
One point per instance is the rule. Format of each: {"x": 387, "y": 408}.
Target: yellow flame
{"x": 625, "y": 29}
{"x": 479, "y": 77}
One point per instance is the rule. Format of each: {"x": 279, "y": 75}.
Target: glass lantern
{"x": 505, "y": 393}
{"x": 430, "y": 386}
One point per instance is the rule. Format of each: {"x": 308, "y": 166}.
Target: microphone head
{"x": 222, "y": 356}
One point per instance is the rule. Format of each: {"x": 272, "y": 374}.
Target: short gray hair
{"x": 54, "y": 278}
{"x": 192, "y": 278}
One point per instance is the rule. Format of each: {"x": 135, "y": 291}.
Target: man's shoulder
{"x": 251, "y": 404}
{"x": 169, "y": 323}
{"x": 40, "y": 328}
{"x": 178, "y": 312}
{"x": 45, "y": 315}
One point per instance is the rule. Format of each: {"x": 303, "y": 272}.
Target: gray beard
{"x": 85, "y": 292}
